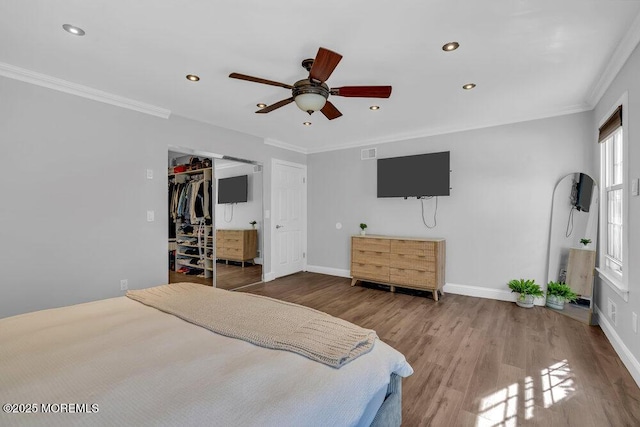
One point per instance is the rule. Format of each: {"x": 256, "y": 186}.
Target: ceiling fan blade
{"x": 259, "y": 80}
{"x": 275, "y": 106}
{"x": 362, "y": 91}
{"x": 330, "y": 111}
{"x": 324, "y": 64}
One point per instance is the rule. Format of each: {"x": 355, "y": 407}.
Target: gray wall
{"x": 626, "y": 81}
{"x": 497, "y": 218}
{"x": 75, "y": 194}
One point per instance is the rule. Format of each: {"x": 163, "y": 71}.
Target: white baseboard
{"x": 629, "y": 360}
{"x": 328, "y": 271}
{"x": 269, "y": 277}
{"x": 481, "y": 292}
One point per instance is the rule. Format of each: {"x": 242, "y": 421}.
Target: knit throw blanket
{"x": 262, "y": 321}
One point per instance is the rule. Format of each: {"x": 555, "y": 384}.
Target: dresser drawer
{"x": 232, "y": 234}
{"x": 413, "y": 247}
{"x": 369, "y": 257}
{"x": 413, "y": 262}
{"x": 416, "y": 278}
{"x": 378, "y": 273}
{"x": 232, "y": 243}
{"x": 233, "y": 253}
{"x": 370, "y": 244}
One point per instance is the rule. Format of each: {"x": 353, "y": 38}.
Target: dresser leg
{"x": 393, "y": 288}
{"x": 435, "y": 295}
{"x": 354, "y": 281}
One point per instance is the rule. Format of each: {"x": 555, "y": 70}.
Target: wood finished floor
{"x": 481, "y": 362}
{"x": 229, "y": 276}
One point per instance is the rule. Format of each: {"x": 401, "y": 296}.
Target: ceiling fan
{"x": 311, "y": 94}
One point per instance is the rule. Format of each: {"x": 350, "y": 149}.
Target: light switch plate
{"x": 634, "y": 187}
{"x": 149, "y": 173}
{"x": 151, "y": 216}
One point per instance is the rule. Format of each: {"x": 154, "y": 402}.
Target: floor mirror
{"x": 573, "y": 241}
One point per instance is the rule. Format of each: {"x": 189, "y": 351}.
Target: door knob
{"x": 279, "y": 226}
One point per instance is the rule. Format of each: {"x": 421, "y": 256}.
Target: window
{"x": 613, "y": 188}
{"x": 613, "y": 210}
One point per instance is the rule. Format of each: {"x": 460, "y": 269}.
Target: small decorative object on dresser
{"x": 363, "y": 226}
{"x": 526, "y": 290}
{"x": 559, "y": 293}
{"x": 585, "y": 242}
{"x": 405, "y": 262}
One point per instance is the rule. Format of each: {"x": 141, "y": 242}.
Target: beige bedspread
{"x": 262, "y": 321}
{"x": 143, "y": 367}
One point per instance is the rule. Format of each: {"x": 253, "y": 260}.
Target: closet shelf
{"x": 193, "y": 172}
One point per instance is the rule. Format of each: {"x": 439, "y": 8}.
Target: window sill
{"x": 615, "y": 284}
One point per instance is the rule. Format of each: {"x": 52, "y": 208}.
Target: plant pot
{"x": 525, "y": 301}
{"x": 556, "y": 302}
{"x": 362, "y": 232}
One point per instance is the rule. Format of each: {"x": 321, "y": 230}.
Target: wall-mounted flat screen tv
{"x": 584, "y": 190}
{"x": 233, "y": 190}
{"x": 414, "y": 176}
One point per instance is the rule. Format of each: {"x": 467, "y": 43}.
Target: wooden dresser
{"x": 237, "y": 245}
{"x": 399, "y": 261}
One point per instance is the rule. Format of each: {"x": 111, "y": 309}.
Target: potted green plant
{"x": 558, "y": 293}
{"x": 362, "y": 228}
{"x": 527, "y": 290}
{"x": 253, "y": 224}
{"x": 585, "y": 242}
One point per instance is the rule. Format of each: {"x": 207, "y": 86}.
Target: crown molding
{"x": 579, "y": 108}
{"x": 65, "y": 86}
{"x": 618, "y": 58}
{"x": 285, "y": 146}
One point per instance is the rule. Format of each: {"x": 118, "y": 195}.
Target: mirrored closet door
{"x": 238, "y": 223}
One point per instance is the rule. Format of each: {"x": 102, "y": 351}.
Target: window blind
{"x": 612, "y": 123}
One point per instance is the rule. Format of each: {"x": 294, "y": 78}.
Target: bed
{"x": 121, "y": 362}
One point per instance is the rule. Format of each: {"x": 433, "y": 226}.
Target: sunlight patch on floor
{"x": 557, "y": 383}
{"x": 501, "y": 408}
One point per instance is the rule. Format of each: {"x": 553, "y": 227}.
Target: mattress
{"x": 117, "y": 361}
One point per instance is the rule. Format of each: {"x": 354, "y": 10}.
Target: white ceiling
{"x": 530, "y": 59}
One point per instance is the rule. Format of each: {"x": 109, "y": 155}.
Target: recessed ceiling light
{"x": 469, "y": 86}
{"x": 76, "y": 31}
{"x": 450, "y": 46}
{"x": 261, "y": 105}
{"x": 192, "y": 77}
{"x": 307, "y": 123}
{"x": 374, "y": 107}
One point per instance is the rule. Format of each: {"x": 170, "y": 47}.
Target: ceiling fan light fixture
{"x": 192, "y": 78}
{"x": 451, "y": 46}
{"x": 71, "y": 29}
{"x": 469, "y": 86}
{"x": 310, "y": 102}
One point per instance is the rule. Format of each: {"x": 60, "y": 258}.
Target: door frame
{"x": 272, "y": 226}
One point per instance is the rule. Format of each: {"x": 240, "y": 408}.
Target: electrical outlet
{"x": 149, "y": 173}
{"x": 634, "y": 322}
{"x": 124, "y": 284}
{"x": 151, "y": 216}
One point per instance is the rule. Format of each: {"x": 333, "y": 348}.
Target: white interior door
{"x": 288, "y": 217}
